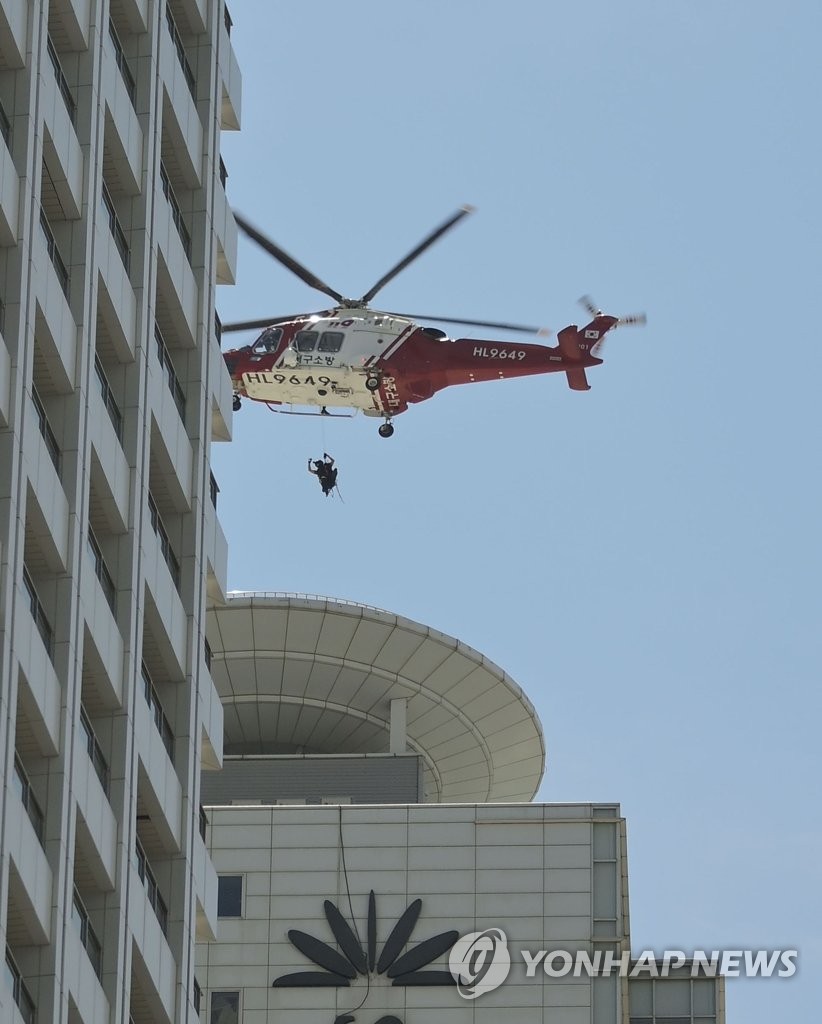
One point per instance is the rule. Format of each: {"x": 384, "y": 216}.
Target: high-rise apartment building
{"x": 114, "y": 229}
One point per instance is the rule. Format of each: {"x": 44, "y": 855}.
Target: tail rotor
{"x": 634, "y": 320}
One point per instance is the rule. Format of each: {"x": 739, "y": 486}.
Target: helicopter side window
{"x": 305, "y": 341}
{"x": 269, "y": 340}
{"x": 331, "y": 341}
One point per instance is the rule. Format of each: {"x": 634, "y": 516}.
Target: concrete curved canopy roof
{"x": 316, "y": 676}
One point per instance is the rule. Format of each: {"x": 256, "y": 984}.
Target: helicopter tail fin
{"x": 577, "y": 381}
{"x": 578, "y": 345}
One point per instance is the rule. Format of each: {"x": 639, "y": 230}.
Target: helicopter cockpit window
{"x": 331, "y": 341}
{"x": 305, "y": 341}
{"x": 269, "y": 340}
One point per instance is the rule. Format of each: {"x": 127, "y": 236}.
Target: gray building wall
{"x": 359, "y": 778}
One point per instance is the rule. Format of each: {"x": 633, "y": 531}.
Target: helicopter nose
{"x": 231, "y": 359}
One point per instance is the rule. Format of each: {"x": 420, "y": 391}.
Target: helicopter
{"x": 351, "y": 357}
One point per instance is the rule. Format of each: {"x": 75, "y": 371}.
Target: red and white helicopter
{"x": 353, "y": 357}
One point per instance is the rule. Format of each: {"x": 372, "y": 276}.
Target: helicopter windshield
{"x": 269, "y": 340}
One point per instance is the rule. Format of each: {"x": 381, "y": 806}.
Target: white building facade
{"x": 114, "y": 229}
{"x": 373, "y": 810}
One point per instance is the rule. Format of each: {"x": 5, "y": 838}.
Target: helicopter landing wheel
{"x": 372, "y": 383}
{"x": 386, "y": 430}
{"x": 236, "y": 403}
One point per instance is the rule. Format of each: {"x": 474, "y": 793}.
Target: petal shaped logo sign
{"x": 480, "y": 962}
{"x": 338, "y": 967}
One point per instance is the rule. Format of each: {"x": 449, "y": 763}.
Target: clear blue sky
{"x": 644, "y": 559}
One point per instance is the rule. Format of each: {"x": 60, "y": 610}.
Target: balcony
{"x": 94, "y": 751}
{"x": 172, "y": 380}
{"x": 62, "y": 84}
{"x": 122, "y": 65}
{"x": 177, "y": 40}
{"x": 205, "y": 889}
{"x": 161, "y": 795}
{"x": 155, "y": 900}
{"x": 166, "y": 550}
{"x": 158, "y": 716}
{"x": 96, "y": 826}
{"x": 176, "y": 212}
{"x": 46, "y": 432}
{"x": 109, "y": 401}
{"x": 221, "y": 395}
{"x": 101, "y": 571}
{"x": 88, "y": 937}
{"x": 211, "y": 719}
{"x": 215, "y": 551}
{"x": 154, "y": 967}
{"x": 54, "y": 255}
{"x": 39, "y": 691}
{"x": 110, "y": 474}
{"x": 182, "y": 128}
{"x": 84, "y": 968}
{"x": 20, "y": 782}
{"x": 13, "y": 32}
{"x": 117, "y": 233}
{"x": 225, "y": 229}
{"x": 229, "y": 71}
{"x": 5, "y": 372}
{"x": 38, "y": 614}
{"x": 30, "y": 881}
{"x": 19, "y": 992}
{"x": 9, "y": 185}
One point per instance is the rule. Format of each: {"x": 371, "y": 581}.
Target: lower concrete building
{"x": 378, "y": 856}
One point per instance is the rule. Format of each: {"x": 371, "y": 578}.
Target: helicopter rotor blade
{"x": 251, "y": 325}
{"x": 635, "y": 320}
{"x": 287, "y": 261}
{"x": 496, "y": 325}
{"x": 587, "y": 304}
{"x": 417, "y": 251}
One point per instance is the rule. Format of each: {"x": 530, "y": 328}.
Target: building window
{"x": 230, "y": 896}
{"x": 203, "y": 823}
{"x": 225, "y": 1008}
{"x": 196, "y": 996}
{"x": 19, "y": 992}
{"x": 672, "y": 1000}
